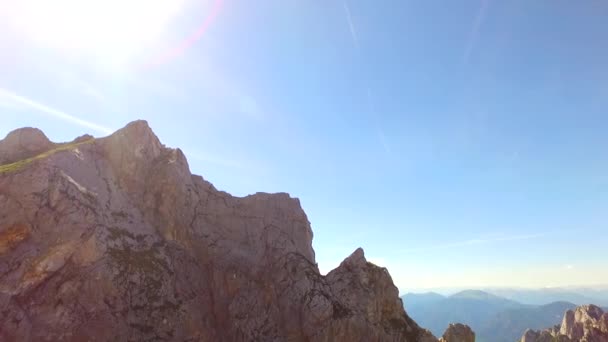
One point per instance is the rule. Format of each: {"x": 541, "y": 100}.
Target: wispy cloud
{"x": 351, "y": 25}
{"x": 474, "y": 242}
{"x": 474, "y": 34}
{"x": 7, "y": 96}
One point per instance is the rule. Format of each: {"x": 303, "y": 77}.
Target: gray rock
{"x": 584, "y": 324}
{"x": 115, "y": 239}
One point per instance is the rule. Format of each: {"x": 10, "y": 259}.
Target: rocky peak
{"x": 368, "y": 290}
{"x": 132, "y": 152}
{"x": 530, "y": 336}
{"x": 23, "y": 143}
{"x": 588, "y": 313}
{"x": 585, "y": 323}
{"x": 458, "y": 333}
{"x": 581, "y": 322}
{"x": 134, "y": 143}
{"x": 139, "y": 134}
{"x": 356, "y": 259}
{"x": 114, "y": 239}
{"x": 83, "y": 138}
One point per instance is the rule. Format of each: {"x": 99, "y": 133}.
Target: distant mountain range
{"x": 597, "y": 294}
{"x": 493, "y": 318}
{"x": 576, "y": 295}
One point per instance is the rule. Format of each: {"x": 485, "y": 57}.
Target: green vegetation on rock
{"x": 18, "y": 165}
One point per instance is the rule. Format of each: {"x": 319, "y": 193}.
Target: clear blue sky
{"x": 458, "y": 142}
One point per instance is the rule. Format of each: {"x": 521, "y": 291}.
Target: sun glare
{"x": 106, "y": 31}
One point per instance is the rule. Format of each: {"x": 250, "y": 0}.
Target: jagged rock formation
{"x": 587, "y": 323}
{"x": 458, "y": 333}
{"x": 113, "y": 239}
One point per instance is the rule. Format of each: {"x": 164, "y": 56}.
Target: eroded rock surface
{"x": 113, "y": 239}
{"x": 458, "y": 333}
{"x": 587, "y": 323}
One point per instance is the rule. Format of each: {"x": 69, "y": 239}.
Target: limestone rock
{"x": 458, "y": 333}
{"x": 530, "y": 336}
{"x": 584, "y": 324}
{"x": 23, "y": 143}
{"x": 113, "y": 239}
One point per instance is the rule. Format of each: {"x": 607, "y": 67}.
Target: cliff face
{"x": 587, "y": 323}
{"x": 114, "y": 239}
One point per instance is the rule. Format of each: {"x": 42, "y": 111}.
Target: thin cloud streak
{"x": 351, "y": 25}
{"x": 21, "y": 100}
{"x": 473, "y": 242}
{"x": 473, "y": 36}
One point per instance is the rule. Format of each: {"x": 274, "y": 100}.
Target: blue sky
{"x": 459, "y": 143}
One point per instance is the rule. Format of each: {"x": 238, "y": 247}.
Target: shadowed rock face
{"x": 587, "y": 323}
{"x": 114, "y": 239}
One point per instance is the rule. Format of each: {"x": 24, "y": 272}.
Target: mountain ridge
{"x": 492, "y": 317}
{"x": 114, "y": 239}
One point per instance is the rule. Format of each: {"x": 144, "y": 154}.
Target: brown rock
{"x": 12, "y": 236}
{"x": 23, "y": 143}
{"x": 585, "y": 323}
{"x": 530, "y": 336}
{"x": 115, "y": 239}
{"x": 458, "y": 333}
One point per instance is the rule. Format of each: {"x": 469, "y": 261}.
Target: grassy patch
{"x": 18, "y": 165}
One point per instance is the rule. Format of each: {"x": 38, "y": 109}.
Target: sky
{"x": 461, "y": 144}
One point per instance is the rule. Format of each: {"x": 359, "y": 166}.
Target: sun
{"x": 107, "y": 31}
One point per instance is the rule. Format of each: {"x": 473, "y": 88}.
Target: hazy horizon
{"x": 446, "y": 291}
{"x": 457, "y": 143}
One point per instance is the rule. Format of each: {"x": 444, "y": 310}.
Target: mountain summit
{"x": 114, "y": 239}
{"x": 586, "y": 323}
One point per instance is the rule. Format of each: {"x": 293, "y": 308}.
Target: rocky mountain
{"x": 494, "y": 318}
{"x": 113, "y": 239}
{"x": 509, "y": 324}
{"x": 586, "y": 323}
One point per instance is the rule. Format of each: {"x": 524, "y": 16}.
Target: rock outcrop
{"x": 113, "y": 239}
{"x": 458, "y": 333}
{"x": 587, "y": 323}
{"x": 23, "y": 143}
